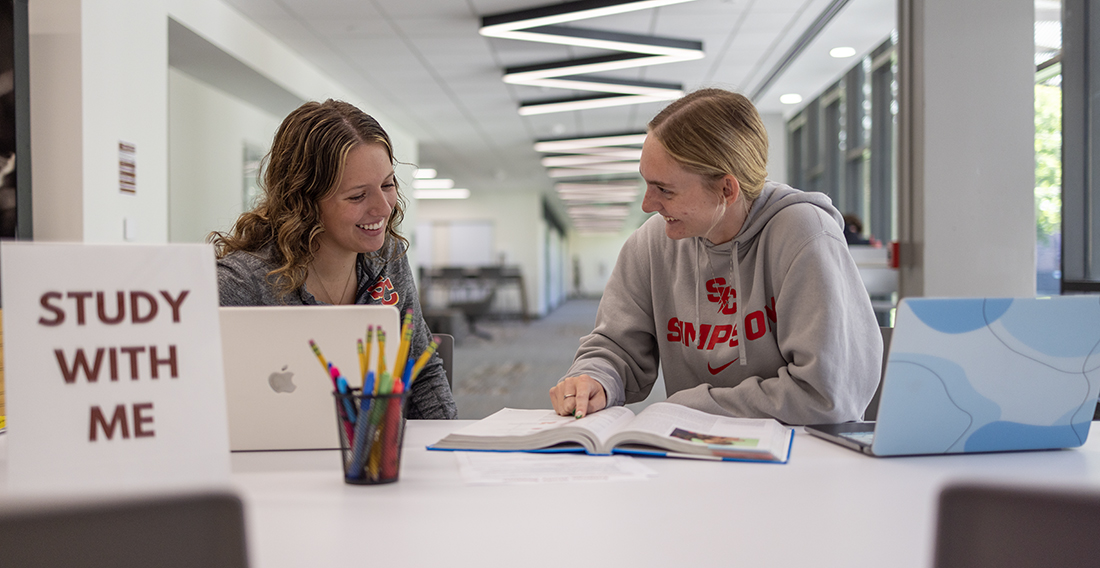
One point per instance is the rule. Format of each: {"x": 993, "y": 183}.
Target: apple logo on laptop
{"x": 282, "y": 381}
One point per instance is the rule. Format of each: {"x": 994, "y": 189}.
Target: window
{"x": 1080, "y": 148}
{"x": 842, "y": 143}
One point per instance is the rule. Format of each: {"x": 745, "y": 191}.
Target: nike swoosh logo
{"x": 720, "y": 369}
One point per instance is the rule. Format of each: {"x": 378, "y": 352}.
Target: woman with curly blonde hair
{"x": 325, "y": 231}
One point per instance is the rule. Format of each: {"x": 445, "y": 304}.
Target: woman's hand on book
{"x": 578, "y": 396}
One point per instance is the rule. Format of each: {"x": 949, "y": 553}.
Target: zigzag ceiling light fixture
{"x": 592, "y": 157}
{"x": 543, "y": 25}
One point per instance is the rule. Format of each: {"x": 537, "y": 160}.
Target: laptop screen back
{"x": 278, "y": 395}
{"x": 995, "y": 374}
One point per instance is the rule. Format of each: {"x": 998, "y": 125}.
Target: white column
{"x": 98, "y": 73}
{"x": 966, "y": 161}
{"x": 776, "y": 125}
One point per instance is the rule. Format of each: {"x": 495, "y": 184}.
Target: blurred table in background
{"x": 449, "y": 294}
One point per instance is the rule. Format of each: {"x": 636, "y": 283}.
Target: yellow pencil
{"x": 366, "y": 356}
{"x": 321, "y": 358}
{"x": 423, "y": 360}
{"x": 381, "y": 357}
{"x": 403, "y": 347}
{"x": 362, "y": 360}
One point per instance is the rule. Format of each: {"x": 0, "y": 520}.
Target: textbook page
{"x": 681, "y": 429}
{"x": 518, "y": 429}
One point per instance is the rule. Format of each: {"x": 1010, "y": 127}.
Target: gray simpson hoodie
{"x": 775, "y": 323}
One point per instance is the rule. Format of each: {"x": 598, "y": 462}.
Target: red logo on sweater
{"x": 714, "y": 371}
{"x": 384, "y": 292}
{"x": 708, "y": 336}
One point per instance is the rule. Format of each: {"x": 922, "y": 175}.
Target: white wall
{"x": 518, "y": 232}
{"x": 207, "y": 131}
{"x": 966, "y": 148}
{"x": 98, "y": 77}
{"x": 238, "y": 37}
{"x": 597, "y": 255}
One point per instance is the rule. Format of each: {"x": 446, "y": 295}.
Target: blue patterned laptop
{"x": 988, "y": 375}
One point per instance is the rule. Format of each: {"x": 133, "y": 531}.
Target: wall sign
{"x": 127, "y": 167}
{"x": 113, "y": 367}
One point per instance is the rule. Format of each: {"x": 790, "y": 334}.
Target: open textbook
{"x": 662, "y": 429}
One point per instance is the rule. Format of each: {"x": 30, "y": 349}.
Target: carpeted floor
{"x": 522, "y": 361}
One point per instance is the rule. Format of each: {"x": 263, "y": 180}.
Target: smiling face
{"x": 355, "y": 216}
{"x": 686, "y": 200}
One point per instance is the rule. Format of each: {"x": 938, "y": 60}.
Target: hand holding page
{"x": 662, "y": 429}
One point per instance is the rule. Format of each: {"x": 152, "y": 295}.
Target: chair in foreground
{"x": 181, "y": 531}
{"x": 1004, "y": 527}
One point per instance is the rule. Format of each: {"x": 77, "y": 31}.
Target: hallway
{"x": 522, "y": 361}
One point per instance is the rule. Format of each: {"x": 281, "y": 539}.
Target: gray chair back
{"x": 446, "y": 352}
{"x": 998, "y": 526}
{"x": 872, "y": 408}
{"x": 179, "y": 531}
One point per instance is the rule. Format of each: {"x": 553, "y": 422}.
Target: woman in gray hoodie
{"x": 741, "y": 289}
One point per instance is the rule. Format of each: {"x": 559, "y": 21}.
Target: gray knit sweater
{"x": 243, "y": 281}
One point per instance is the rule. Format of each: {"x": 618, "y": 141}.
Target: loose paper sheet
{"x": 525, "y": 468}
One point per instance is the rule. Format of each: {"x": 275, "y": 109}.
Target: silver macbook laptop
{"x": 984, "y": 375}
{"x": 277, "y": 393}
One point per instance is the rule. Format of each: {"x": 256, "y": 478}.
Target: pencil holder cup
{"x": 372, "y": 428}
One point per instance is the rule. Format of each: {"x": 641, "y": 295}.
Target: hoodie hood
{"x": 774, "y": 198}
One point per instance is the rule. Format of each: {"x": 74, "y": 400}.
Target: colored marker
{"x": 345, "y": 417}
{"x": 349, "y": 408}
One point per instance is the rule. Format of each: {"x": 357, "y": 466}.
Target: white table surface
{"x": 829, "y": 506}
{"x": 809, "y": 512}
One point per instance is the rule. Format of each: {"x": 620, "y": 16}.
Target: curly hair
{"x": 714, "y": 133}
{"x": 303, "y": 168}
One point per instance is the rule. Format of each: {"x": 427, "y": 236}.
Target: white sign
{"x": 113, "y": 367}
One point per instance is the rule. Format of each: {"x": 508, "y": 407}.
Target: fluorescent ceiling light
{"x": 842, "y": 52}
{"x": 542, "y": 25}
{"x": 672, "y": 49}
{"x": 583, "y": 159}
{"x": 591, "y": 171}
{"x": 790, "y": 98}
{"x": 442, "y": 183}
{"x": 548, "y": 146}
{"x": 424, "y": 173}
{"x": 593, "y": 199}
{"x": 617, "y": 87}
{"x": 501, "y": 24}
{"x": 597, "y": 211}
{"x": 624, "y": 185}
{"x": 633, "y": 154}
{"x": 605, "y": 194}
{"x": 441, "y": 193}
{"x": 530, "y": 109}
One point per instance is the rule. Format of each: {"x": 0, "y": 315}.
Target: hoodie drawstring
{"x": 735, "y": 268}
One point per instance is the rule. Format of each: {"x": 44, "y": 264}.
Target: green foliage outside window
{"x": 1048, "y": 162}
